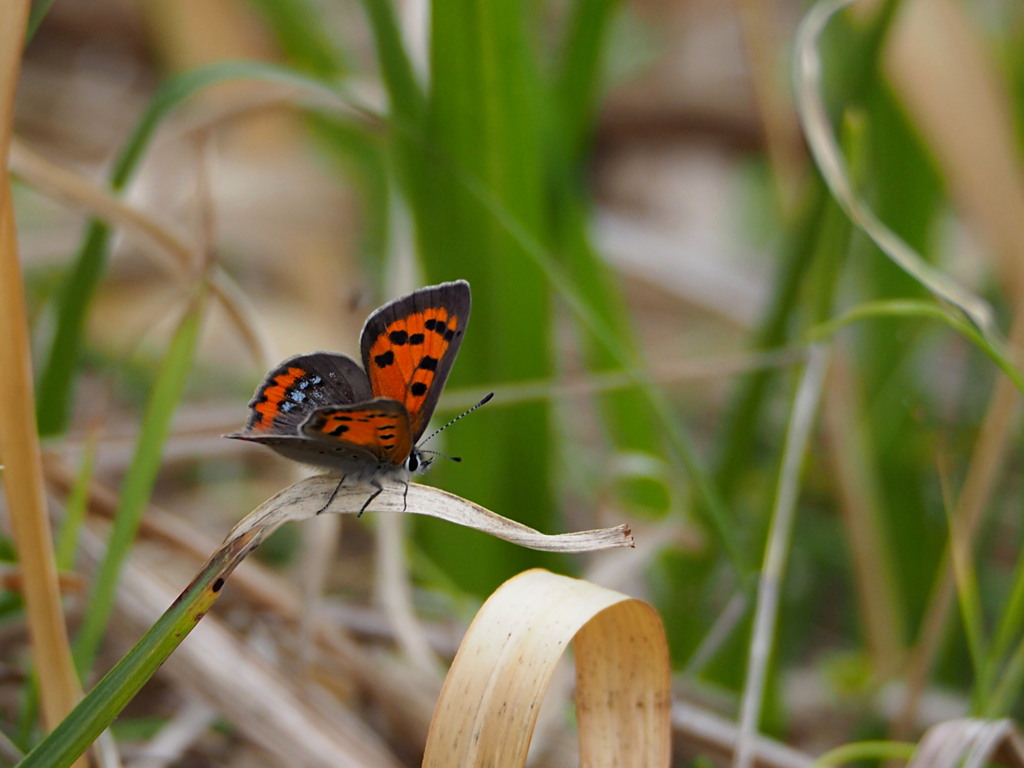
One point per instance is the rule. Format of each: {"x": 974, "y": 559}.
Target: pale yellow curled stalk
{"x": 489, "y": 704}
{"x": 969, "y": 743}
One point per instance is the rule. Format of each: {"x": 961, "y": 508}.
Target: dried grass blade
{"x": 304, "y": 498}
{"x": 711, "y": 734}
{"x": 798, "y": 434}
{"x": 19, "y": 440}
{"x": 970, "y": 743}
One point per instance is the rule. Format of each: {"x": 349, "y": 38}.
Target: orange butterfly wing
{"x": 380, "y": 426}
{"x": 409, "y": 346}
{"x": 323, "y": 409}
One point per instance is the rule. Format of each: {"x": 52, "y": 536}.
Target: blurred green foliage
{"x": 488, "y": 162}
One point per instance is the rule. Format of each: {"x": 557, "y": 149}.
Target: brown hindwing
{"x": 299, "y": 386}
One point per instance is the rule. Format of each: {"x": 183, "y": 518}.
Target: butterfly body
{"x": 363, "y": 423}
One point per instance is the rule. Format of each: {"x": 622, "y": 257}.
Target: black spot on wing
{"x": 385, "y": 359}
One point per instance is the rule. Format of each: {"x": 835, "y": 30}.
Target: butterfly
{"x": 364, "y": 423}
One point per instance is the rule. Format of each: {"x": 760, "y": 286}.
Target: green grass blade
{"x": 742, "y": 416}
{"x": 137, "y": 485}
{"x": 302, "y": 35}
{"x": 75, "y": 508}
{"x": 632, "y": 423}
{"x": 922, "y": 309}
{"x": 1000, "y": 702}
{"x": 682, "y": 451}
{"x": 630, "y": 420}
{"x": 406, "y": 96}
{"x": 1008, "y": 632}
{"x": 112, "y": 693}
{"x": 860, "y": 751}
{"x": 183, "y": 87}
{"x": 59, "y": 368}
{"x": 578, "y": 77}
{"x": 405, "y": 140}
{"x": 484, "y": 122}
{"x": 969, "y": 600}
{"x": 476, "y": 175}
{"x": 36, "y": 16}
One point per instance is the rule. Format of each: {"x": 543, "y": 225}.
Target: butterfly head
{"x": 418, "y": 463}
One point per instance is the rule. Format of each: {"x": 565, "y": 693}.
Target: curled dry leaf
{"x": 306, "y": 497}
{"x": 970, "y": 743}
{"x": 489, "y": 705}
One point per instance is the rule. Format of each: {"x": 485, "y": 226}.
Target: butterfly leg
{"x": 405, "y": 497}
{"x": 335, "y": 493}
{"x": 380, "y": 489}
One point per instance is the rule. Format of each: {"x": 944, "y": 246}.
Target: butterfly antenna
{"x": 443, "y": 455}
{"x": 439, "y": 430}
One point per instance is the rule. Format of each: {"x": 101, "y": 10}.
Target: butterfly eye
{"x": 417, "y": 463}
